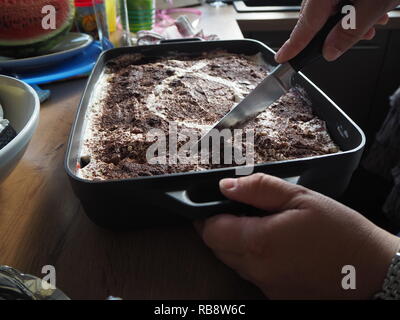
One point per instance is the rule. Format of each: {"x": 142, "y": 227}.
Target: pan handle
{"x": 313, "y": 51}
{"x": 189, "y": 209}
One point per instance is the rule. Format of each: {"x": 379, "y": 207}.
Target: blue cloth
{"x": 43, "y": 94}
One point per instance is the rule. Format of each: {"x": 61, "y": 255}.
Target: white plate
{"x": 72, "y": 44}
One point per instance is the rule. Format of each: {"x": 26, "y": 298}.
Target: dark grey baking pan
{"x": 169, "y": 199}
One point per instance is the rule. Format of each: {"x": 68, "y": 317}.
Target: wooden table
{"x": 42, "y": 222}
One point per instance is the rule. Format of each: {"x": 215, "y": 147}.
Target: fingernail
{"x": 332, "y": 53}
{"x": 228, "y": 184}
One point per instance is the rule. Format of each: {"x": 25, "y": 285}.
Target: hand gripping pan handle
{"x": 195, "y": 210}
{"x": 189, "y": 209}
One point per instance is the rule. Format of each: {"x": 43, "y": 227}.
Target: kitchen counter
{"x": 229, "y": 23}
{"x": 281, "y": 21}
{"x": 43, "y": 223}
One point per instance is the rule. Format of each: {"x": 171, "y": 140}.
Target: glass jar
{"x": 141, "y": 14}
{"x": 85, "y": 18}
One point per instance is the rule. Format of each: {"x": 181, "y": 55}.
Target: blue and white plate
{"x": 72, "y": 45}
{"x": 78, "y": 65}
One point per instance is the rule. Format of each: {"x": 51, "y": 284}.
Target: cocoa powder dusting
{"x": 151, "y": 93}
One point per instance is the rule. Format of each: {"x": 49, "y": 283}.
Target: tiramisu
{"x": 137, "y": 94}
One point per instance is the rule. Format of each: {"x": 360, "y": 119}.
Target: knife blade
{"x": 275, "y": 85}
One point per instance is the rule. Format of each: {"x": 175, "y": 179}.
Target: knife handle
{"x": 313, "y": 51}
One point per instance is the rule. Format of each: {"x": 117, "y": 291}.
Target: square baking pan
{"x": 172, "y": 198}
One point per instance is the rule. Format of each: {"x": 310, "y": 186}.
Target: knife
{"x": 276, "y": 84}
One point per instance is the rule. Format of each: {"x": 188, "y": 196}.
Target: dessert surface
{"x": 184, "y": 95}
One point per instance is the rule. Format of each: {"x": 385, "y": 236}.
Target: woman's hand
{"x": 299, "y": 250}
{"x": 315, "y": 13}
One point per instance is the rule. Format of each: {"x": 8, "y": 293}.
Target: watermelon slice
{"x": 21, "y": 31}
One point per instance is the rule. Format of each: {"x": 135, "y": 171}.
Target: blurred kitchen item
{"x": 167, "y": 4}
{"x": 85, "y": 17}
{"x": 185, "y": 27}
{"x": 217, "y": 3}
{"x": 165, "y": 18}
{"x": 15, "y": 285}
{"x": 73, "y": 44}
{"x": 111, "y": 10}
{"x": 167, "y": 27}
{"x": 21, "y": 107}
{"x": 126, "y": 38}
{"x": 76, "y": 66}
{"x": 267, "y": 5}
{"x": 141, "y": 14}
{"x": 99, "y": 7}
{"x": 145, "y": 37}
{"x": 42, "y": 94}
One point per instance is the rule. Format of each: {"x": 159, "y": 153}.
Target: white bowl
{"x": 21, "y": 107}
